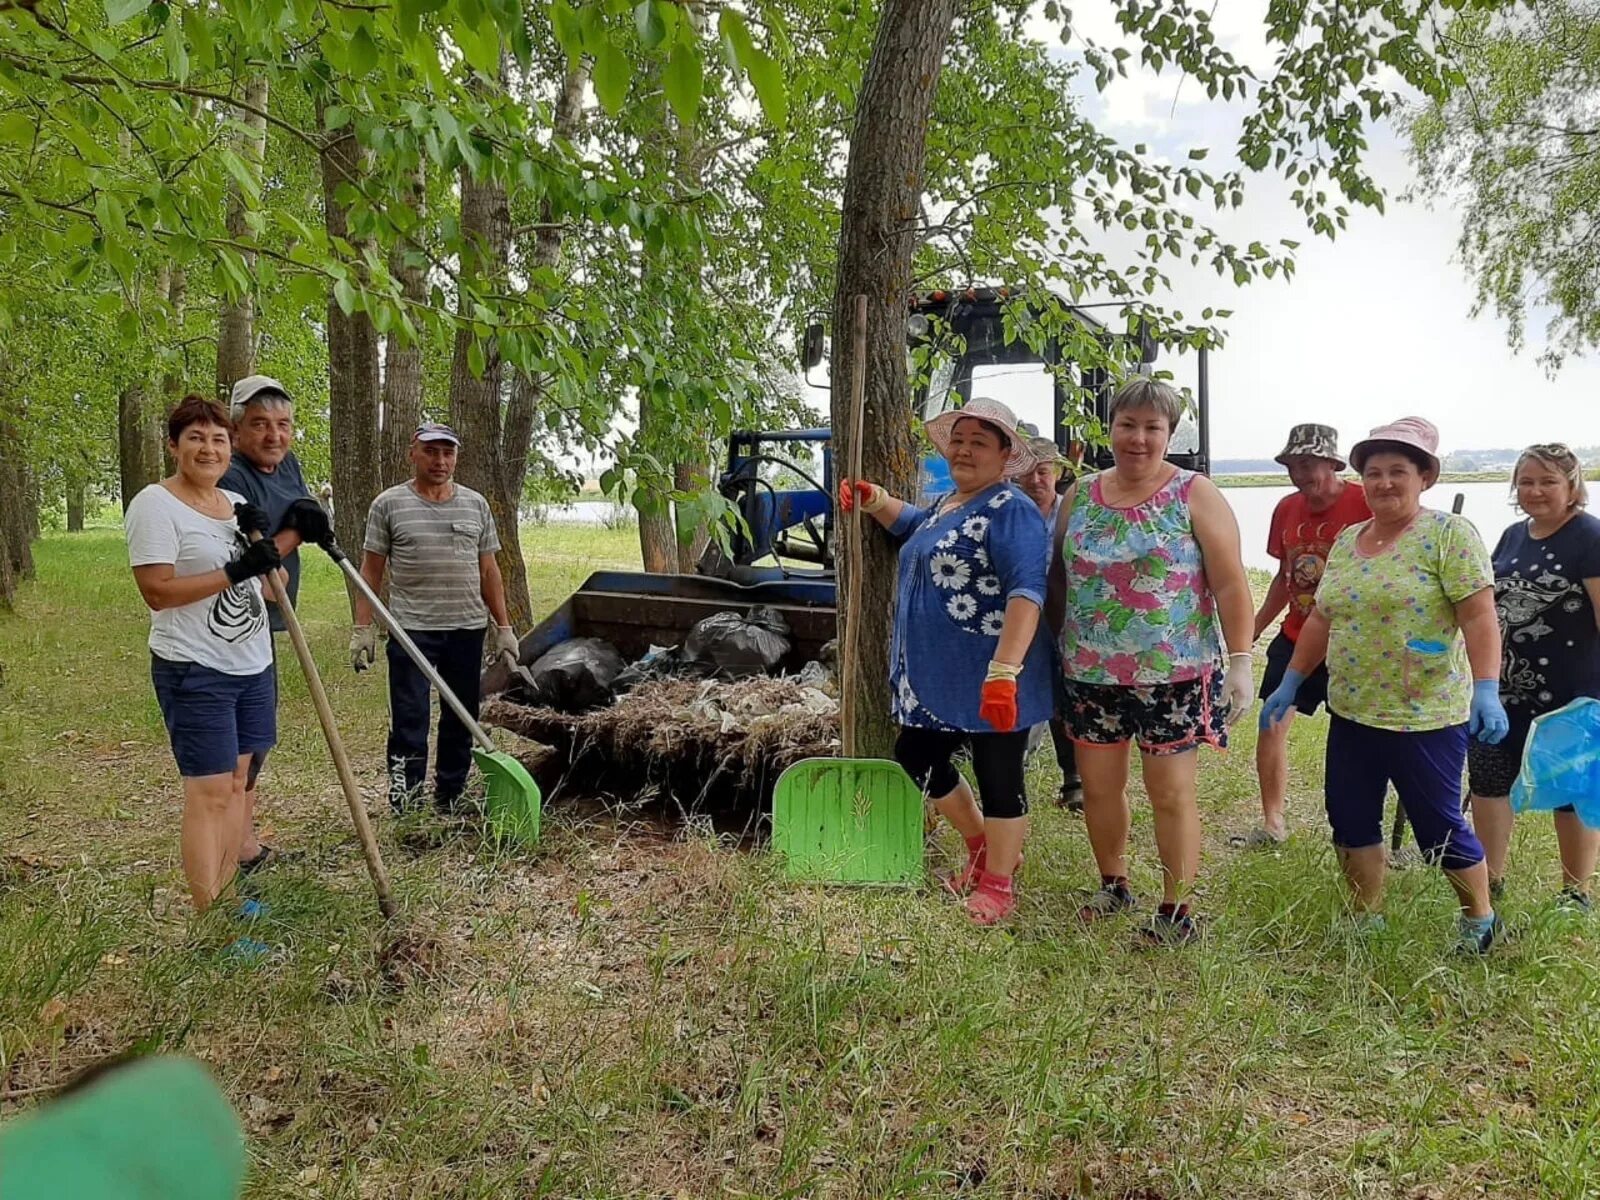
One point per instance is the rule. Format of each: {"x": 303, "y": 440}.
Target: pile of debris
{"x": 704, "y": 722}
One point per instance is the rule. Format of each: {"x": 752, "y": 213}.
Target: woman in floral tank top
{"x": 1146, "y": 575}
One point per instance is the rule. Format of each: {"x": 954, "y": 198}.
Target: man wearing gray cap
{"x": 265, "y": 472}
{"x": 438, "y": 541}
{"x": 1304, "y": 526}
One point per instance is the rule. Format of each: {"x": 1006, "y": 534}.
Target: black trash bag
{"x": 660, "y": 663}
{"x": 736, "y": 645}
{"x": 576, "y": 675}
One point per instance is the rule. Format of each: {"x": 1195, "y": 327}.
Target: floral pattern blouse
{"x": 1139, "y": 611}
{"x": 958, "y": 569}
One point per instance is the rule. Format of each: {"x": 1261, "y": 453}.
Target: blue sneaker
{"x": 252, "y": 910}
{"x": 1475, "y": 935}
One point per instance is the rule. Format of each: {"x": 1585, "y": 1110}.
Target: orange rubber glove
{"x": 999, "y": 704}
{"x": 870, "y": 496}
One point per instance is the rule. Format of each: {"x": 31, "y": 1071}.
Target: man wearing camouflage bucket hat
{"x": 1304, "y": 526}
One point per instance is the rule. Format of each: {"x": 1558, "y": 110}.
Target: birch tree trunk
{"x": 236, "y": 323}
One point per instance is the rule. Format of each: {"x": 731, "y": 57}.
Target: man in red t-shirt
{"x": 1304, "y": 526}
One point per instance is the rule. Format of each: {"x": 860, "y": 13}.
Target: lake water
{"x": 1487, "y": 505}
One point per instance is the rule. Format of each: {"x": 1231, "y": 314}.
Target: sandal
{"x": 1258, "y": 838}
{"x": 1168, "y": 929}
{"x": 994, "y": 899}
{"x": 265, "y": 857}
{"x": 961, "y": 882}
{"x": 1107, "y": 901}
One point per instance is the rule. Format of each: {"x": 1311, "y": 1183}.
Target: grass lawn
{"x": 629, "y": 1012}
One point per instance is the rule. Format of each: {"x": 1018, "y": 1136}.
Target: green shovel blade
{"x": 849, "y": 820}
{"x": 514, "y": 799}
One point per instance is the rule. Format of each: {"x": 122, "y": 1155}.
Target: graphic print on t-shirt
{"x": 1301, "y": 539}
{"x": 236, "y": 612}
{"x": 1549, "y": 645}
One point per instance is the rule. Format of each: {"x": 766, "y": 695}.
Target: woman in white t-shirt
{"x": 210, "y": 649}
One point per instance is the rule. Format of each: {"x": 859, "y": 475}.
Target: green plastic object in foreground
{"x": 849, "y": 820}
{"x": 156, "y": 1129}
{"x": 514, "y": 799}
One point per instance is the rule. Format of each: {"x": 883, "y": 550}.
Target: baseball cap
{"x": 251, "y": 386}
{"x": 433, "y": 431}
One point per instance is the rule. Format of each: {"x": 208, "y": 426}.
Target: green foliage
{"x": 1519, "y": 145}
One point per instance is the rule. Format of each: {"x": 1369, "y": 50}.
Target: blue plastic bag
{"x": 1561, "y": 763}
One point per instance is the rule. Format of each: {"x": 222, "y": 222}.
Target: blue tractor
{"x": 783, "y": 484}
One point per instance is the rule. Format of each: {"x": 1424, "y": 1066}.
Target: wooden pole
{"x": 341, "y": 762}
{"x": 849, "y": 675}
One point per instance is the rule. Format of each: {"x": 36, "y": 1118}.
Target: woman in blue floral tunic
{"x": 965, "y": 665}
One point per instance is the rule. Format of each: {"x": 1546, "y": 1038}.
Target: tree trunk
{"x": 236, "y": 347}
{"x": 352, "y": 371}
{"x": 658, "y": 540}
{"x": 475, "y": 400}
{"x": 495, "y": 443}
{"x": 402, "y": 361}
{"x": 877, "y": 238}
{"x": 692, "y": 536}
{"x": 19, "y": 510}
{"x": 139, "y": 442}
{"x": 75, "y": 498}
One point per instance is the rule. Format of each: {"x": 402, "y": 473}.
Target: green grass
{"x": 630, "y": 1013}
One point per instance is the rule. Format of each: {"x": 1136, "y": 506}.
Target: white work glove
{"x": 1239, "y": 687}
{"x": 363, "y": 647}
{"x": 505, "y": 645}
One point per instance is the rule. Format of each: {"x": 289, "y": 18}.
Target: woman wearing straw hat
{"x": 1146, "y": 569}
{"x": 1547, "y": 593}
{"x": 1406, "y": 603}
{"x": 965, "y": 667}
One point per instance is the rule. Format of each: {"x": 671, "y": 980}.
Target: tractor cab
{"x": 783, "y": 482}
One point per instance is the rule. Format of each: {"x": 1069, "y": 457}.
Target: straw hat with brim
{"x": 1412, "y": 433}
{"x": 981, "y": 408}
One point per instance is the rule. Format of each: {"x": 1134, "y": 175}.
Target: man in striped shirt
{"x": 438, "y": 541}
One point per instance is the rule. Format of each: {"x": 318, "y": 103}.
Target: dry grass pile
{"x": 741, "y": 731}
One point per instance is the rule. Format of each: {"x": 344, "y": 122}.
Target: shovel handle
{"x": 849, "y": 667}
{"x": 410, "y": 647}
{"x": 330, "y": 733}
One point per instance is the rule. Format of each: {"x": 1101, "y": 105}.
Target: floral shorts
{"x": 1163, "y": 718}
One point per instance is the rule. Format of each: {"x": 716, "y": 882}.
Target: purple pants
{"x": 1425, "y": 768}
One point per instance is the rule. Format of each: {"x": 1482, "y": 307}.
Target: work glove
{"x": 307, "y": 518}
{"x": 997, "y": 705}
{"x": 258, "y": 558}
{"x": 1239, "y": 687}
{"x": 363, "y": 647}
{"x": 505, "y": 645}
{"x": 870, "y": 496}
{"x": 1488, "y": 722}
{"x": 251, "y": 519}
{"x": 1276, "y": 706}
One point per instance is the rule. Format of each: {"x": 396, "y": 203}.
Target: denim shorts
{"x": 212, "y": 718}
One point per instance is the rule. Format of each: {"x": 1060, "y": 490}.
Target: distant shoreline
{"x": 1248, "y": 481}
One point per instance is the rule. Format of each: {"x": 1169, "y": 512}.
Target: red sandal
{"x": 963, "y": 881}
{"x": 993, "y": 900}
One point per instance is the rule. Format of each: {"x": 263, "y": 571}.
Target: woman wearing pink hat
{"x": 1405, "y": 618}
{"x": 1146, "y": 575}
{"x": 965, "y": 668}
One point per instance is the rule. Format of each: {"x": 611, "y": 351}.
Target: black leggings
{"x": 927, "y": 756}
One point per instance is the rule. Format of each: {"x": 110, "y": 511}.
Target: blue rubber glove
{"x": 1488, "y": 722}
{"x": 1276, "y": 706}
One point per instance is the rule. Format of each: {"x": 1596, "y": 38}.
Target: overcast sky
{"x": 1373, "y": 326}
